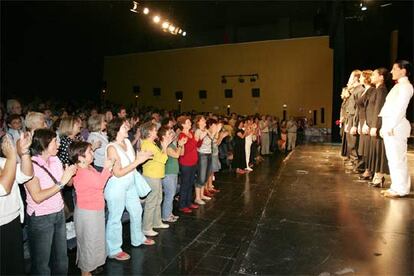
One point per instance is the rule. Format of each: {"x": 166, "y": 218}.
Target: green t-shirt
{"x": 172, "y": 167}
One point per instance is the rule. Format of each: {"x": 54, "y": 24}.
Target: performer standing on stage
{"x": 354, "y": 88}
{"x": 396, "y": 129}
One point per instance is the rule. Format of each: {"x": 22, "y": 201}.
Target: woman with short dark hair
{"x": 154, "y": 171}
{"x": 89, "y": 215}
{"x": 46, "y": 224}
{"x": 121, "y": 192}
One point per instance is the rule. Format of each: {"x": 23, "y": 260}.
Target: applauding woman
{"x": 120, "y": 191}
{"x": 11, "y": 205}
{"x": 90, "y": 208}
{"x": 47, "y": 228}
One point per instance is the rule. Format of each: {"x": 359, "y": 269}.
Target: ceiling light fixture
{"x": 135, "y": 7}
{"x": 165, "y": 25}
{"x": 362, "y": 6}
{"x": 138, "y": 8}
{"x": 156, "y": 19}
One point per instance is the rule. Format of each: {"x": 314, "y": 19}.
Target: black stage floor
{"x": 302, "y": 215}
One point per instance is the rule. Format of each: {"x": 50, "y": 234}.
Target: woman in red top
{"x": 188, "y": 164}
{"x": 90, "y": 208}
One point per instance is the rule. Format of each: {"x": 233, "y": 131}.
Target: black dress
{"x": 377, "y": 161}
{"x": 239, "y": 153}
{"x": 364, "y": 139}
{"x": 344, "y": 148}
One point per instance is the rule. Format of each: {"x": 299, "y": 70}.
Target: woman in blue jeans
{"x": 169, "y": 182}
{"x": 46, "y": 224}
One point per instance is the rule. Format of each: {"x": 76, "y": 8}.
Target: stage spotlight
{"x": 363, "y": 7}
{"x": 223, "y": 79}
{"x": 135, "y": 7}
{"x": 180, "y": 31}
{"x": 241, "y": 80}
{"x": 171, "y": 28}
{"x": 146, "y": 11}
{"x": 156, "y": 19}
{"x": 184, "y": 33}
{"x": 165, "y": 25}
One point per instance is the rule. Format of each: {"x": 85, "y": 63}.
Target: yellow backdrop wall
{"x": 295, "y": 72}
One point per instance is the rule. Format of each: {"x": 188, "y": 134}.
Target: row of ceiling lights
{"x": 166, "y": 26}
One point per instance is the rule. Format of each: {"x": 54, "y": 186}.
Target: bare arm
{"x": 118, "y": 170}
{"x": 38, "y": 195}
{"x": 8, "y": 174}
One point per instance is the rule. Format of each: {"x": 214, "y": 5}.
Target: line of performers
{"x": 374, "y": 127}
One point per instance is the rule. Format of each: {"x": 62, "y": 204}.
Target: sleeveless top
{"x": 126, "y": 157}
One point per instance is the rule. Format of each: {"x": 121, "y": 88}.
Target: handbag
{"x": 65, "y": 207}
{"x": 141, "y": 185}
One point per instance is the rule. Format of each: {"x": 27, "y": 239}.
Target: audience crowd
{"x": 92, "y": 164}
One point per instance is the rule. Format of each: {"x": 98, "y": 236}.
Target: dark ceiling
{"x": 52, "y": 48}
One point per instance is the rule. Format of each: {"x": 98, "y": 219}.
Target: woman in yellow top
{"x": 153, "y": 171}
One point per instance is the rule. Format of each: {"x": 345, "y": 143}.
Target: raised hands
{"x": 24, "y": 143}
{"x": 96, "y": 145}
{"x": 8, "y": 149}
{"x": 182, "y": 141}
{"x": 70, "y": 170}
{"x": 143, "y": 156}
{"x": 167, "y": 139}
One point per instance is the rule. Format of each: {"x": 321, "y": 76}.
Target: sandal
{"x": 149, "y": 242}
{"x": 121, "y": 256}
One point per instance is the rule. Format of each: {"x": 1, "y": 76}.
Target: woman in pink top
{"x": 46, "y": 224}
{"x": 90, "y": 208}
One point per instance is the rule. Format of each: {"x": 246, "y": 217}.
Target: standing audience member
{"x": 153, "y": 172}
{"x": 204, "y": 160}
{"x": 98, "y": 139}
{"x": 239, "y": 150}
{"x": 292, "y": 129}
{"x": 89, "y": 213}
{"x": 169, "y": 182}
{"x": 15, "y": 127}
{"x": 188, "y": 164}
{"x": 46, "y": 224}
{"x": 121, "y": 192}
{"x": 11, "y": 205}
{"x": 264, "y": 129}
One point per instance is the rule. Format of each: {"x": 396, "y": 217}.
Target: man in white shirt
{"x": 396, "y": 129}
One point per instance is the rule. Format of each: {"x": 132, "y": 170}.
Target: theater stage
{"x": 296, "y": 215}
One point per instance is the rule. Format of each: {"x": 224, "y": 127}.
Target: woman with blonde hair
{"x": 69, "y": 127}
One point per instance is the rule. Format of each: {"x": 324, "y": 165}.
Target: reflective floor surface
{"x": 301, "y": 215}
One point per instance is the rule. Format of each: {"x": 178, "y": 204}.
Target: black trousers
{"x": 352, "y": 145}
{"x": 12, "y": 258}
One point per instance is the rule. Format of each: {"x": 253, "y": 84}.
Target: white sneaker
{"x": 162, "y": 226}
{"x": 206, "y": 198}
{"x": 199, "y": 202}
{"x": 249, "y": 169}
{"x": 150, "y": 233}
